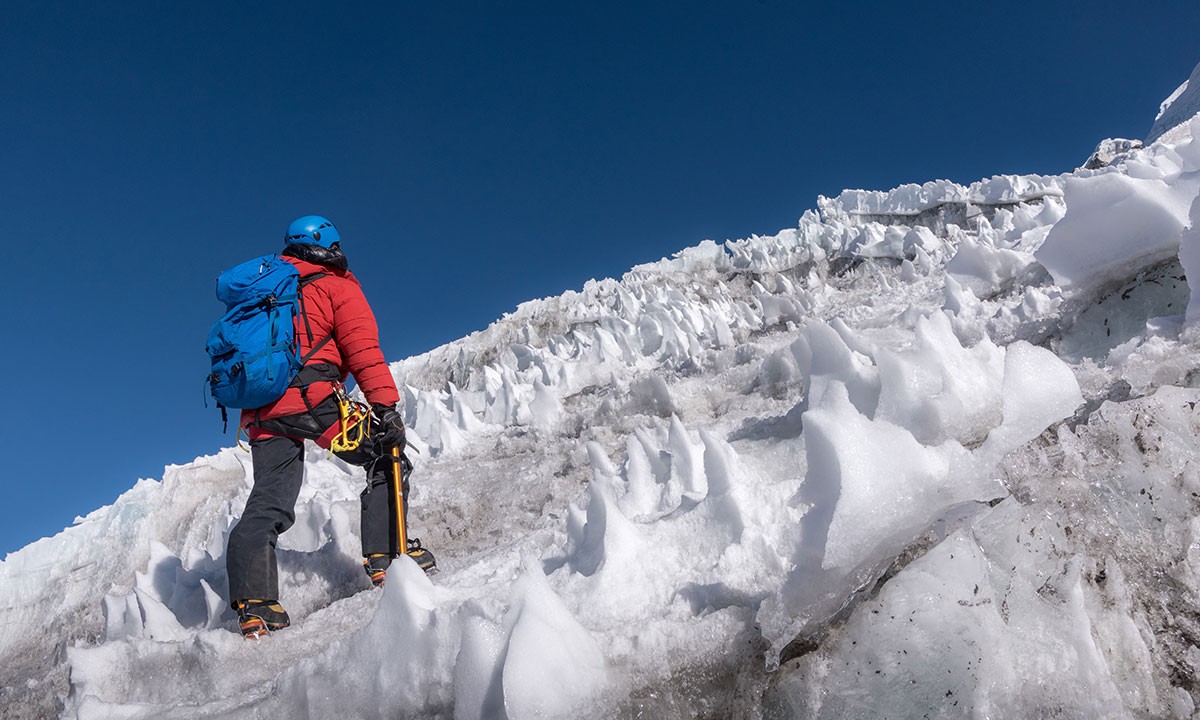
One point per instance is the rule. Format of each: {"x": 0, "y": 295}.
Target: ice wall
{"x": 1043, "y": 607}
{"x": 1172, "y": 123}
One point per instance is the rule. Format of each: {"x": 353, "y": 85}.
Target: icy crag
{"x": 1171, "y": 125}
{"x": 933, "y": 448}
{"x": 1074, "y": 597}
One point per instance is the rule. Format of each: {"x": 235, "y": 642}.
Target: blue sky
{"x": 473, "y": 156}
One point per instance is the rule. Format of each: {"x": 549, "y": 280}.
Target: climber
{"x": 335, "y": 335}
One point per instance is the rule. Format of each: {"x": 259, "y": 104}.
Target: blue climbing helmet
{"x": 311, "y": 230}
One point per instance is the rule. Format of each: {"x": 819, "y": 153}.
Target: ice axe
{"x": 398, "y": 496}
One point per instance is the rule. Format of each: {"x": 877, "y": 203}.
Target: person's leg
{"x": 379, "y": 532}
{"x": 270, "y": 510}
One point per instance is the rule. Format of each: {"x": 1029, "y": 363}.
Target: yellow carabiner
{"x": 354, "y": 419}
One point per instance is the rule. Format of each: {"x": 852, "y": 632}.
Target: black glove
{"x": 389, "y": 430}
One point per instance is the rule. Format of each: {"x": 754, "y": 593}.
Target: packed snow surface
{"x": 931, "y": 453}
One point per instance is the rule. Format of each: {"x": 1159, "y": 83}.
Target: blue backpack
{"x": 253, "y": 345}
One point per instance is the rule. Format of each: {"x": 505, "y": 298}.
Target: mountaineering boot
{"x": 376, "y": 566}
{"x": 257, "y": 617}
{"x": 423, "y": 557}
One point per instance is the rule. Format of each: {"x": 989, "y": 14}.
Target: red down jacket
{"x": 333, "y": 304}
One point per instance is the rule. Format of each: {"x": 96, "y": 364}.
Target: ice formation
{"x": 932, "y": 452}
{"x": 1171, "y": 125}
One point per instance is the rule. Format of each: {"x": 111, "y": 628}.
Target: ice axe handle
{"x": 398, "y": 497}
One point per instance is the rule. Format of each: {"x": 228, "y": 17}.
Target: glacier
{"x": 930, "y": 453}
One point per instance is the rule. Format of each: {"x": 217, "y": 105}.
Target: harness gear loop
{"x": 354, "y": 419}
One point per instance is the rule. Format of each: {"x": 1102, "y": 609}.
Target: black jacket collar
{"x": 330, "y": 257}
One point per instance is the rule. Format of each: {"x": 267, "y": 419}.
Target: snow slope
{"x": 932, "y": 452}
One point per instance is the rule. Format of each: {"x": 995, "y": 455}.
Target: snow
{"x": 932, "y": 452}
{"x": 915, "y": 199}
{"x": 1109, "y": 151}
{"x": 1116, "y": 225}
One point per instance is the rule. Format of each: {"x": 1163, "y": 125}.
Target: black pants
{"x": 270, "y": 510}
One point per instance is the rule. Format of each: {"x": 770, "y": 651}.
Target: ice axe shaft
{"x": 398, "y": 496}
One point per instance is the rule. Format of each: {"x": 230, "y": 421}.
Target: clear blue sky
{"x": 473, "y": 155}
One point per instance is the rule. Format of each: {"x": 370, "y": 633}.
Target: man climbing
{"x": 336, "y": 335}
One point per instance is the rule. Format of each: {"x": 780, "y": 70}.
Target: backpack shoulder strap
{"x": 306, "y": 280}
{"x": 312, "y": 278}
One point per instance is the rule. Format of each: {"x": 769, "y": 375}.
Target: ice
{"x": 122, "y": 617}
{"x": 1038, "y": 390}
{"x": 1171, "y": 125}
{"x": 552, "y": 667}
{"x": 687, "y": 466}
{"x": 642, "y": 492}
{"x": 606, "y": 536}
{"x": 1189, "y": 258}
{"x": 878, "y": 472}
{"x": 651, "y": 396}
{"x": 478, "y": 678}
{"x": 986, "y": 270}
{"x": 914, "y": 199}
{"x": 937, "y": 388}
{"x": 1032, "y": 611}
{"x": 824, "y": 357}
{"x": 944, "y": 641}
{"x": 545, "y": 408}
{"x": 1117, "y": 224}
{"x": 1109, "y": 151}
